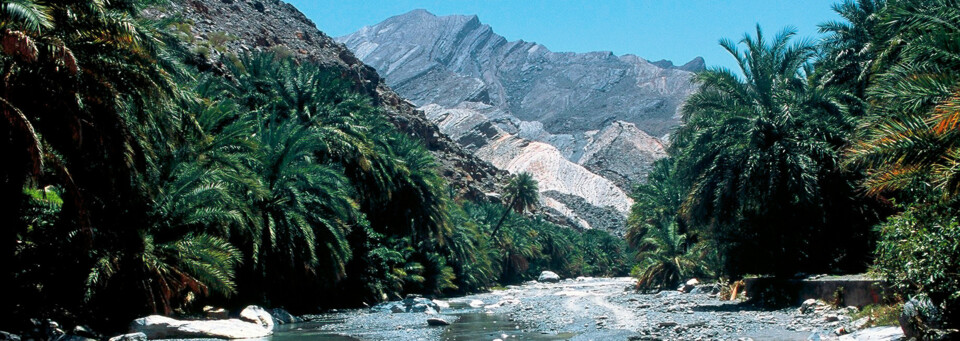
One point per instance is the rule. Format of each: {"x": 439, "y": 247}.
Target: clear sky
{"x": 666, "y": 29}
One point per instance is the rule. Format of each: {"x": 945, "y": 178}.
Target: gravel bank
{"x": 590, "y": 309}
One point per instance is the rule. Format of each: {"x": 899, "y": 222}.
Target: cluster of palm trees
{"x": 786, "y": 164}
{"x": 137, "y": 185}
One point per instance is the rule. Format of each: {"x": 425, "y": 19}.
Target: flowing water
{"x": 469, "y": 326}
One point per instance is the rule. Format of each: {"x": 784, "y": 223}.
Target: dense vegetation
{"x": 135, "y": 184}
{"x": 813, "y": 158}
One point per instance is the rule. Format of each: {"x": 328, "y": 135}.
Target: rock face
{"x": 567, "y": 189}
{"x": 584, "y": 124}
{"x": 272, "y": 25}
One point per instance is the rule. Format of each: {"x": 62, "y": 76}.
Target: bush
{"x": 918, "y": 253}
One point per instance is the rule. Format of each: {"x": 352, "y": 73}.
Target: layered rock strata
{"x": 585, "y": 124}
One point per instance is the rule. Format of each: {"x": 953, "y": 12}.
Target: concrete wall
{"x": 857, "y": 290}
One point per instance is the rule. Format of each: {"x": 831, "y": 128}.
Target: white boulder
{"x": 548, "y": 277}
{"x": 162, "y": 327}
{"x": 255, "y": 314}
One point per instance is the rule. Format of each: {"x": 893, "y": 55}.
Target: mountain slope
{"x": 273, "y": 25}
{"x": 564, "y": 117}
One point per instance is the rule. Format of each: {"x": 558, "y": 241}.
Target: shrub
{"x": 918, "y": 253}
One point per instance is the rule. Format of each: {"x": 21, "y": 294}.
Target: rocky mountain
{"x": 585, "y": 124}
{"x": 272, "y": 25}
{"x": 567, "y": 189}
{"x": 451, "y": 59}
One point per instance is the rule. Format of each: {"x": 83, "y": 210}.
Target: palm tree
{"x": 81, "y": 82}
{"x": 665, "y": 258}
{"x": 522, "y": 193}
{"x": 755, "y": 150}
{"x": 656, "y": 202}
{"x": 305, "y": 212}
{"x": 665, "y": 255}
{"x": 911, "y": 139}
{"x": 852, "y": 48}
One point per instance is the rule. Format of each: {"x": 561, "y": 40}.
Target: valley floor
{"x": 580, "y": 309}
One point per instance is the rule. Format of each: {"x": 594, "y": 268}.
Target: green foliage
{"x": 522, "y": 193}
{"x": 880, "y": 314}
{"x": 911, "y": 138}
{"x": 664, "y": 259}
{"x": 760, "y": 156}
{"x": 218, "y": 39}
{"x": 528, "y": 246}
{"x": 909, "y": 145}
{"x": 918, "y": 252}
{"x": 665, "y": 256}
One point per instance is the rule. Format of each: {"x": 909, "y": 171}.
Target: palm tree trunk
{"x": 502, "y": 218}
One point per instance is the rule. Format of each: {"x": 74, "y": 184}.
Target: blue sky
{"x": 654, "y": 30}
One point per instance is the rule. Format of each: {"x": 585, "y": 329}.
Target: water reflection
{"x": 468, "y": 327}
{"x": 483, "y": 326}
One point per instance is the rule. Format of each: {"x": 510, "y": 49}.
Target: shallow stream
{"x": 469, "y": 326}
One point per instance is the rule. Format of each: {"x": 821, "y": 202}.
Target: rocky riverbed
{"x": 586, "y": 309}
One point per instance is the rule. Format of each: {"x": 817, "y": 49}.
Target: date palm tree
{"x": 522, "y": 193}
{"x": 305, "y": 212}
{"x": 852, "y": 47}
{"x": 912, "y": 137}
{"x": 755, "y": 149}
{"x": 665, "y": 255}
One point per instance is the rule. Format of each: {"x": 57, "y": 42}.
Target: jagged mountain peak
{"x": 694, "y": 65}
{"x": 586, "y": 124}
{"x": 426, "y": 59}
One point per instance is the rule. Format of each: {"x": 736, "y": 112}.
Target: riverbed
{"x": 579, "y": 309}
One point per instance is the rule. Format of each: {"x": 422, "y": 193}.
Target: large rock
{"x": 281, "y": 316}
{"x": 411, "y": 304}
{"x": 162, "y": 327}
{"x": 5, "y": 336}
{"x": 437, "y": 322}
{"x": 548, "y": 277}
{"x": 464, "y": 303}
{"x": 688, "y": 286}
{"x": 214, "y": 313}
{"x": 258, "y": 315}
{"x": 811, "y": 305}
{"x": 919, "y": 316}
{"x": 417, "y": 304}
{"x": 130, "y": 337}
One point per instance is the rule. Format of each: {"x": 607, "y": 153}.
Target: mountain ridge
{"x": 457, "y": 49}
{"x": 515, "y": 94}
